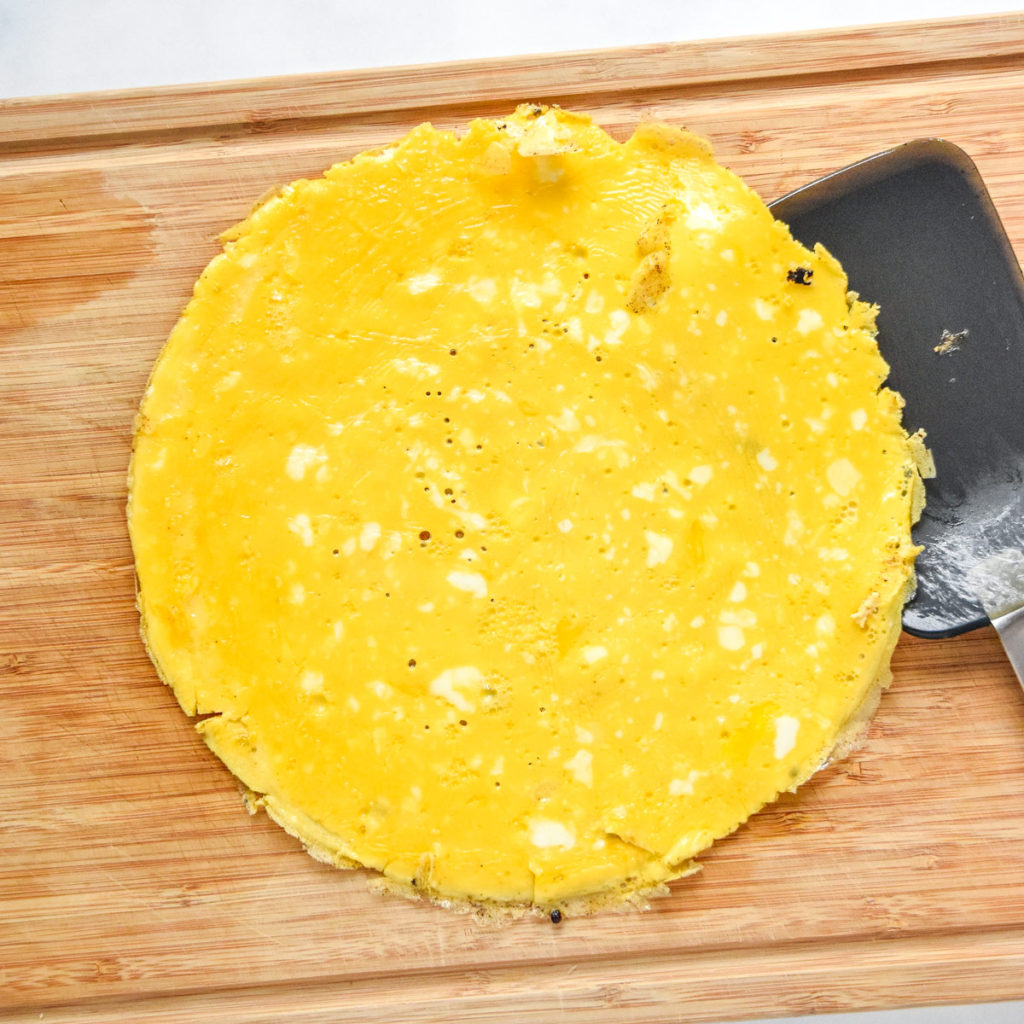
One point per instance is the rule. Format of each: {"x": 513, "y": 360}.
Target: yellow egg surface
{"x": 522, "y": 510}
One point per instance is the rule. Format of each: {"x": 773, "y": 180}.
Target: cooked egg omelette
{"x": 522, "y": 510}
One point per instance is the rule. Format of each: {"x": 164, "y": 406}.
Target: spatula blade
{"x": 917, "y": 233}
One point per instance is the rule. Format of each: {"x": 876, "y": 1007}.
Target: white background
{"x": 55, "y": 46}
{"x": 61, "y": 46}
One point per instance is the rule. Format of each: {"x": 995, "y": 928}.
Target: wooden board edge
{"x": 801, "y": 978}
{"x": 258, "y": 104}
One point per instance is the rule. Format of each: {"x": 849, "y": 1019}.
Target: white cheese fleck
{"x": 483, "y": 289}
{"x": 595, "y": 442}
{"x": 549, "y": 169}
{"x": 809, "y": 320}
{"x": 369, "y": 536}
{"x": 858, "y": 419}
{"x": 738, "y": 592}
{"x": 644, "y": 491}
{"x": 452, "y": 681}
{"x": 297, "y": 594}
{"x": 581, "y": 764}
{"x": 619, "y": 319}
{"x": 786, "y": 728}
{"x": 833, "y": 554}
{"x": 766, "y": 460}
{"x": 594, "y": 653}
{"x": 312, "y": 682}
{"x": 573, "y": 329}
{"x": 703, "y": 218}
{"x": 737, "y": 617}
{"x": 545, "y": 833}
{"x": 565, "y": 525}
{"x": 303, "y": 457}
{"x": 701, "y": 474}
{"x": 683, "y": 787}
{"x": 228, "y": 381}
{"x": 415, "y": 367}
{"x": 843, "y": 476}
{"x": 525, "y": 293}
{"x": 301, "y": 526}
{"x": 565, "y": 420}
{"x": 471, "y": 582}
{"x": 794, "y": 528}
{"x": 763, "y": 309}
{"x": 659, "y": 548}
{"x": 731, "y": 637}
{"x": 650, "y": 379}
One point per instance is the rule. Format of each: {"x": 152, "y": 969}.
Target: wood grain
{"x": 133, "y": 886}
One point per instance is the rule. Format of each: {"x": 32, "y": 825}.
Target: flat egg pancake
{"x": 522, "y": 510}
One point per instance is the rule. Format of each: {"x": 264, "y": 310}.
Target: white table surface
{"x": 64, "y": 46}
{"x": 56, "y": 46}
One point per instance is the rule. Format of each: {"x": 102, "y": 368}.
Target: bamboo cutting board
{"x": 134, "y": 887}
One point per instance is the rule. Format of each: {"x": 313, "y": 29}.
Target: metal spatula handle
{"x": 999, "y": 583}
{"x": 1011, "y": 632}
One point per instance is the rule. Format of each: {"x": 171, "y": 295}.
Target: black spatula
{"x": 917, "y": 233}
